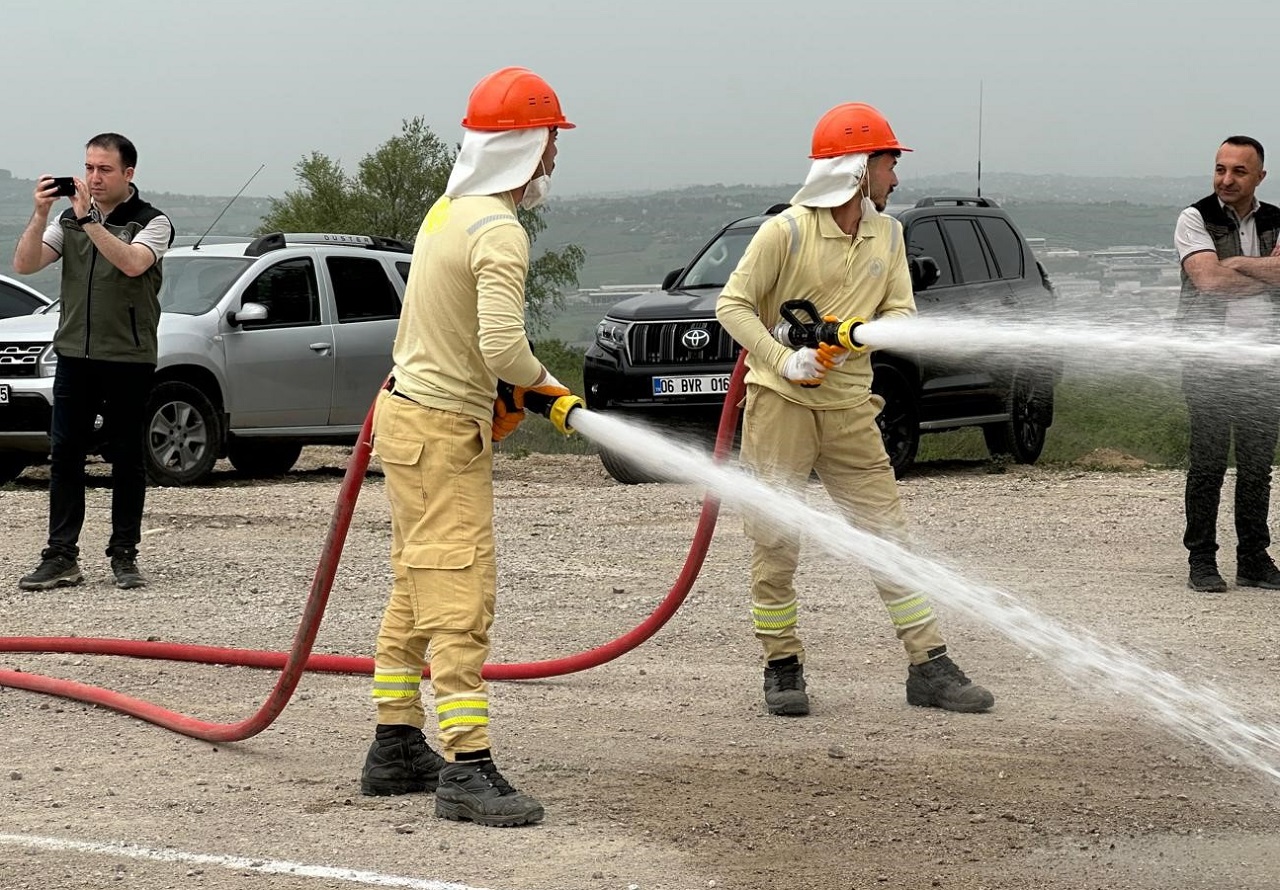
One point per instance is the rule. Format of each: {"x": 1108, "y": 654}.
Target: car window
{"x": 925, "y": 239}
{"x": 16, "y": 302}
{"x": 714, "y": 266}
{"x": 403, "y": 269}
{"x": 361, "y": 289}
{"x": 1005, "y": 245}
{"x": 192, "y": 285}
{"x": 288, "y": 290}
{"x": 970, "y": 255}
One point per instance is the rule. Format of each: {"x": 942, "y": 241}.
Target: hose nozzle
{"x": 802, "y": 326}
{"x": 554, "y": 408}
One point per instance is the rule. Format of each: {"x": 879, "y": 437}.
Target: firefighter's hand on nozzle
{"x": 554, "y": 400}
{"x": 506, "y": 416}
{"x": 831, "y": 356}
{"x": 804, "y": 367}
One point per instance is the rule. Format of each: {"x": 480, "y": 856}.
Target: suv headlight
{"x": 612, "y": 335}
{"x": 48, "y": 365}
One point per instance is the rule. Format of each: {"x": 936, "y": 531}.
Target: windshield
{"x": 194, "y": 284}
{"x": 717, "y": 262}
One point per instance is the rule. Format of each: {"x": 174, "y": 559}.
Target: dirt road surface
{"x": 659, "y": 771}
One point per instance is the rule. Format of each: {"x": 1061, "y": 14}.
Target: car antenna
{"x": 979, "y": 139}
{"x": 196, "y": 246}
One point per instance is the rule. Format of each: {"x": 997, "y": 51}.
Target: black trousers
{"x": 83, "y": 389}
{"x": 1224, "y": 405}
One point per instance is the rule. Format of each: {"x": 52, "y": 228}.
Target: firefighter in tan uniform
{"x": 811, "y": 409}
{"x": 461, "y": 332}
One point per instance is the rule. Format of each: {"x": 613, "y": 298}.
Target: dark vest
{"x": 1198, "y": 308}
{"x": 104, "y": 313}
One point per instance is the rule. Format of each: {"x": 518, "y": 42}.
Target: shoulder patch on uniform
{"x": 437, "y": 216}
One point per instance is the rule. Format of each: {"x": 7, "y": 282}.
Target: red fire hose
{"x": 299, "y": 657}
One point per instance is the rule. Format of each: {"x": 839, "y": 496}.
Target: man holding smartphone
{"x": 110, "y": 242}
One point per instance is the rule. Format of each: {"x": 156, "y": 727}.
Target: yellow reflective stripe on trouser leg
{"x": 910, "y": 611}
{"x": 395, "y": 683}
{"x": 773, "y": 620}
{"x": 460, "y": 713}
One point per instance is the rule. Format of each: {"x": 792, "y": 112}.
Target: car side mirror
{"x": 248, "y": 312}
{"x": 670, "y": 279}
{"x": 924, "y": 272}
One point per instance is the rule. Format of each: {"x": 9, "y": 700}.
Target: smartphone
{"x": 64, "y": 186}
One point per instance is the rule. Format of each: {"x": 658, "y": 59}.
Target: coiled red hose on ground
{"x": 299, "y": 658}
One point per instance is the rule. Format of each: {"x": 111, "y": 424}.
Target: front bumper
{"x": 25, "y": 420}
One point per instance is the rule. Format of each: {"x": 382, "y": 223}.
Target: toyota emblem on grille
{"x": 696, "y": 338}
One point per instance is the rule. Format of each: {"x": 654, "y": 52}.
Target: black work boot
{"x": 1204, "y": 577}
{"x": 55, "y": 570}
{"x": 124, "y": 565}
{"x": 941, "y": 684}
{"x": 784, "y": 693}
{"x": 1258, "y": 571}
{"x": 399, "y": 762}
{"x": 475, "y": 791}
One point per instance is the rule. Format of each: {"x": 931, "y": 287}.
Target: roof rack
{"x": 280, "y": 240}
{"x": 958, "y": 200}
{"x": 776, "y": 208}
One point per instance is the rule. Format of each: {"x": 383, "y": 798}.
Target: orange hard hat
{"x": 853, "y": 128}
{"x": 514, "y": 99}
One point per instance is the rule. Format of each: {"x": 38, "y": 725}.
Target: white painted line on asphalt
{"x": 265, "y": 866}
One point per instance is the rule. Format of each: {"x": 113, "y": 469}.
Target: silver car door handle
{"x": 320, "y": 347}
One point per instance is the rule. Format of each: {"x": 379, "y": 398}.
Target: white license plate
{"x": 702, "y": 385}
{"x": 4, "y": 393}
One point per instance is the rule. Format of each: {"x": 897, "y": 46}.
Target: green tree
{"x": 389, "y": 194}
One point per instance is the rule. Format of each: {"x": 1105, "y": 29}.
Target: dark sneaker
{"x": 1204, "y": 577}
{"x": 784, "y": 693}
{"x": 941, "y": 684}
{"x": 1258, "y": 571}
{"x": 400, "y": 762}
{"x": 125, "y": 567}
{"x": 475, "y": 791}
{"x": 55, "y": 570}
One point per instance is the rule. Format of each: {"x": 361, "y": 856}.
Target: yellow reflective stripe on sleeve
{"x": 395, "y": 683}
{"x": 910, "y": 611}
{"x": 773, "y": 618}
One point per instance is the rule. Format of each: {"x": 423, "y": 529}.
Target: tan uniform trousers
{"x": 782, "y": 443}
{"x": 438, "y": 467}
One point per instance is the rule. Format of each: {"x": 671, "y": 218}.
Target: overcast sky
{"x": 664, "y": 92}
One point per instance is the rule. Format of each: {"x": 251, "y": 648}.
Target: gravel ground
{"x": 659, "y": 770}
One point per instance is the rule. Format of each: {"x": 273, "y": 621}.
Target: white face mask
{"x": 536, "y": 191}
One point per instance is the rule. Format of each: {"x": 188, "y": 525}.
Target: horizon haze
{"x": 665, "y": 94}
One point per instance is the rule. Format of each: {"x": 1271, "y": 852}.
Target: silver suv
{"x": 265, "y": 346}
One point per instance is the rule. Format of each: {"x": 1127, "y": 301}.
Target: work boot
{"x": 475, "y": 791}
{"x": 399, "y": 762}
{"x": 1258, "y": 571}
{"x": 1204, "y": 577}
{"x": 124, "y": 565}
{"x": 941, "y": 684}
{"x": 55, "y": 570}
{"x": 784, "y": 693}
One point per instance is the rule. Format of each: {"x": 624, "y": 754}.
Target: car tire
{"x": 623, "y": 470}
{"x": 183, "y": 434}
{"x": 260, "y": 458}
{"x": 11, "y": 466}
{"x": 899, "y": 421}
{"x": 1029, "y": 404}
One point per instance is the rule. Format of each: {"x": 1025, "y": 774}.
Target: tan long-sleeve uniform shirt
{"x": 462, "y": 325}
{"x": 802, "y": 254}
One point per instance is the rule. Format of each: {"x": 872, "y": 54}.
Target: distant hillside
{"x": 637, "y": 238}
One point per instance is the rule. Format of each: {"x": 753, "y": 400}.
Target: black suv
{"x": 662, "y": 357}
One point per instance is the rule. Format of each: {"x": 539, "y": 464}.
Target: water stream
{"x": 1200, "y": 713}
